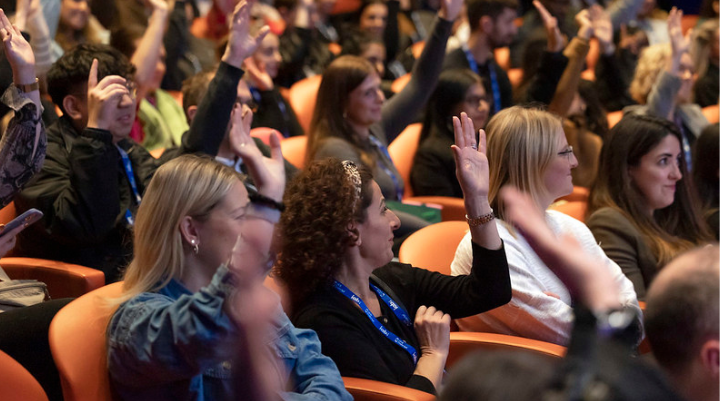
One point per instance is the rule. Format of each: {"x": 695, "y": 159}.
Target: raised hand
{"x": 556, "y": 40}
{"x": 680, "y": 43}
{"x": 17, "y": 51}
{"x": 258, "y": 75}
{"x": 240, "y": 43}
{"x": 103, "y": 98}
{"x": 471, "y": 162}
{"x": 602, "y": 28}
{"x": 581, "y": 274}
{"x": 584, "y": 21}
{"x": 450, "y": 9}
{"x": 267, "y": 173}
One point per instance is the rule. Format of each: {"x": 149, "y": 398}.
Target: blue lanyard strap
{"x": 396, "y": 182}
{"x": 387, "y": 333}
{"x": 497, "y": 99}
{"x": 131, "y": 179}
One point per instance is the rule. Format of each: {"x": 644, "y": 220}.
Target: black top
{"x": 360, "y": 350}
{"x": 457, "y": 59}
{"x": 707, "y": 87}
{"x": 433, "y": 170}
{"x": 274, "y": 112}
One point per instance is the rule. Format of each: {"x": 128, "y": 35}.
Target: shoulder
{"x": 608, "y": 216}
{"x": 336, "y": 147}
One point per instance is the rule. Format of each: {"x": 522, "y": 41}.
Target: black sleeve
{"x": 294, "y": 49}
{"x": 177, "y": 42}
{"x": 402, "y": 108}
{"x": 542, "y": 86}
{"x": 275, "y": 112}
{"x": 392, "y": 31}
{"x": 610, "y": 82}
{"x": 485, "y": 288}
{"x": 208, "y": 128}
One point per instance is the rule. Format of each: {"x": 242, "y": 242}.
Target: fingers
{"x": 262, "y": 33}
{"x": 275, "y": 149}
{"x": 92, "y": 78}
{"x": 544, "y": 13}
{"x": 482, "y": 148}
{"x": 468, "y": 130}
{"x": 457, "y": 129}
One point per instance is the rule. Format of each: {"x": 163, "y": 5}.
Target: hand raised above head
{"x": 450, "y": 9}
{"x": 18, "y": 52}
{"x": 471, "y": 163}
{"x": 556, "y": 40}
{"x": 602, "y": 25}
{"x": 240, "y": 43}
{"x": 680, "y": 43}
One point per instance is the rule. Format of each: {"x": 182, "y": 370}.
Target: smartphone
{"x": 29, "y": 217}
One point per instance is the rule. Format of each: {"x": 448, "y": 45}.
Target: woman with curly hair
{"x": 336, "y": 260}
{"x": 641, "y": 210}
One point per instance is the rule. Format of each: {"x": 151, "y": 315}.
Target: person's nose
{"x": 394, "y": 220}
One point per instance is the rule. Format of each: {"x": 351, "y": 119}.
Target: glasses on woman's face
{"x": 568, "y": 152}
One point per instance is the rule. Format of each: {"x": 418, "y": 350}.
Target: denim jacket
{"x": 174, "y": 344}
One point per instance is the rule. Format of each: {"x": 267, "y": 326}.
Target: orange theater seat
{"x": 614, "y": 117}
{"x": 515, "y": 76}
{"x": 464, "y": 343}
{"x": 371, "y": 390}
{"x": 8, "y": 213}
{"x": 502, "y": 57}
{"x": 293, "y": 150}
{"x": 264, "y": 133}
{"x": 400, "y": 83}
{"x": 711, "y": 113}
{"x": 302, "y": 97}
{"x": 345, "y": 6}
{"x": 78, "y": 345}
{"x": 574, "y": 209}
{"x": 578, "y": 194}
{"x": 64, "y": 280}
{"x": 16, "y": 383}
{"x": 402, "y": 151}
{"x": 156, "y": 153}
{"x": 417, "y": 49}
{"x": 433, "y": 247}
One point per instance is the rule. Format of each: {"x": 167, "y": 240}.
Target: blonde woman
{"x": 201, "y": 244}
{"x": 526, "y": 148}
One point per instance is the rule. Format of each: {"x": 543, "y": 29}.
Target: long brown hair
{"x": 668, "y": 231}
{"x": 340, "y": 78}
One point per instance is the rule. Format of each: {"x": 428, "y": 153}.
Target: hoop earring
{"x": 196, "y": 249}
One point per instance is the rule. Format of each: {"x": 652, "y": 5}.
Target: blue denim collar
{"x": 174, "y": 289}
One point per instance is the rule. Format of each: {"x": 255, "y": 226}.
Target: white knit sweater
{"x": 532, "y": 312}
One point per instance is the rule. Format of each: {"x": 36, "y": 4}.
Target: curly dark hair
{"x": 319, "y": 208}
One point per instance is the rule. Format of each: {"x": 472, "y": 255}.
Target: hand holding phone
{"x": 29, "y": 217}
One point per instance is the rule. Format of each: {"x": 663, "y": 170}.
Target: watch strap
{"x": 27, "y": 88}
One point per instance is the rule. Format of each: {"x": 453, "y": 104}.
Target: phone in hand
{"x": 29, "y": 217}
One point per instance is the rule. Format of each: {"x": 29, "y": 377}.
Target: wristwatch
{"x": 27, "y": 88}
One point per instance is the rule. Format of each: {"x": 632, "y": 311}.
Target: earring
{"x": 195, "y": 246}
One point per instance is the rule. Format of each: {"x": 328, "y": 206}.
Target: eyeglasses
{"x": 132, "y": 88}
{"x": 567, "y": 152}
{"x": 251, "y": 104}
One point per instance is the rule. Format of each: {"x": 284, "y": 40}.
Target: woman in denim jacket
{"x": 193, "y": 298}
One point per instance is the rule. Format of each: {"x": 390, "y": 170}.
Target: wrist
{"x": 477, "y": 206}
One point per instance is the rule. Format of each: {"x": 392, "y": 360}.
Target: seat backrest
{"x": 8, "y": 213}
{"x": 302, "y": 98}
{"x": 16, "y": 383}
{"x": 371, "y": 390}
{"x": 574, "y": 209}
{"x": 578, "y": 194}
{"x": 712, "y": 113}
{"x": 293, "y": 150}
{"x": 264, "y": 133}
{"x": 78, "y": 345}
{"x": 464, "y": 343}
{"x": 402, "y": 151}
{"x": 433, "y": 247}
{"x": 400, "y": 83}
{"x": 614, "y": 117}
{"x": 64, "y": 280}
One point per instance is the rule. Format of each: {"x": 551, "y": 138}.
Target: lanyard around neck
{"x": 396, "y": 181}
{"x": 497, "y": 98}
{"x": 131, "y": 179}
{"x": 399, "y": 312}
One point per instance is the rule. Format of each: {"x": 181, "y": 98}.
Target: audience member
{"x": 528, "y": 149}
{"x": 273, "y": 111}
{"x": 433, "y": 171}
{"x": 663, "y": 85}
{"x": 652, "y": 22}
{"x": 94, "y": 176}
{"x": 202, "y": 241}
{"x": 597, "y": 364}
{"x": 196, "y": 88}
{"x": 160, "y": 121}
{"x": 707, "y": 173}
{"x": 681, "y": 321}
{"x": 641, "y": 210}
{"x": 372, "y": 49}
{"x": 23, "y": 144}
{"x": 492, "y": 25}
{"x": 336, "y": 261}
{"x": 705, "y": 53}
{"x": 353, "y": 122}
{"x": 77, "y": 26}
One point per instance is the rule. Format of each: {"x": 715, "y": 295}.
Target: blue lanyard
{"x": 497, "y": 99}
{"x": 398, "y": 188}
{"x": 399, "y": 312}
{"x": 131, "y": 179}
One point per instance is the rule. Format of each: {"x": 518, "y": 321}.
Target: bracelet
{"x": 27, "y": 88}
{"x": 480, "y": 220}
{"x": 263, "y": 200}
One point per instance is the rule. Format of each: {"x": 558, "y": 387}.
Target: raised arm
{"x": 148, "y": 51}
{"x": 402, "y": 108}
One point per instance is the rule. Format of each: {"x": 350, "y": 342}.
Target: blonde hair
{"x": 187, "y": 186}
{"x": 650, "y": 64}
{"x": 521, "y": 143}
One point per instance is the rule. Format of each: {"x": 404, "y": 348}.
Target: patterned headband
{"x": 353, "y": 174}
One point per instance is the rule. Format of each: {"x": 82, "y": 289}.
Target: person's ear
{"x": 354, "y": 234}
{"x": 189, "y": 231}
{"x": 710, "y": 357}
{"x": 191, "y": 111}
{"x": 73, "y": 106}
{"x": 486, "y": 23}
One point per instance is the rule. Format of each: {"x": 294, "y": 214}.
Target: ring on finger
{"x": 474, "y": 146}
